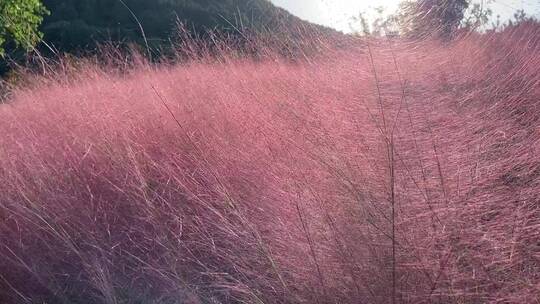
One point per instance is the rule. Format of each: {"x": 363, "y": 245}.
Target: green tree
{"x": 19, "y": 22}
{"x": 378, "y": 23}
{"x": 423, "y": 18}
{"x": 477, "y": 15}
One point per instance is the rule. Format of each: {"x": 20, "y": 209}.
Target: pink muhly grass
{"x": 406, "y": 172}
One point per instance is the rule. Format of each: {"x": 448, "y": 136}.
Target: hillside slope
{"x": 78, "y": 27}
{"x": 75, "y": 24}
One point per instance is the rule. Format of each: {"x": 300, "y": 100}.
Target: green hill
{"x": 76, "y": 24}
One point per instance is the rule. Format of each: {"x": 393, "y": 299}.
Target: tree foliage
{"x": 423, "y": 18}
{"x": 19, "y": 22}
{"x": 380, "y": 24}
{"x": 430, "y": 18}
{"x": 477, "y": 16}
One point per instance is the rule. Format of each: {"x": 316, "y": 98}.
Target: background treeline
{"x": 434, "y": 19}
{"x": 75, "y": 26}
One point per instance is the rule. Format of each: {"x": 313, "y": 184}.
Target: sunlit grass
{"x": 403, "y": 171}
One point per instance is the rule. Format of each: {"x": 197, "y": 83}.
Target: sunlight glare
{"x": 340, "y": 12}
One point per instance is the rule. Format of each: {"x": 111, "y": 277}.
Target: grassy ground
{"x": 384, "y": 172}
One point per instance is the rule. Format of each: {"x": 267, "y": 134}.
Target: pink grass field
{"x": 385, "y": 172}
